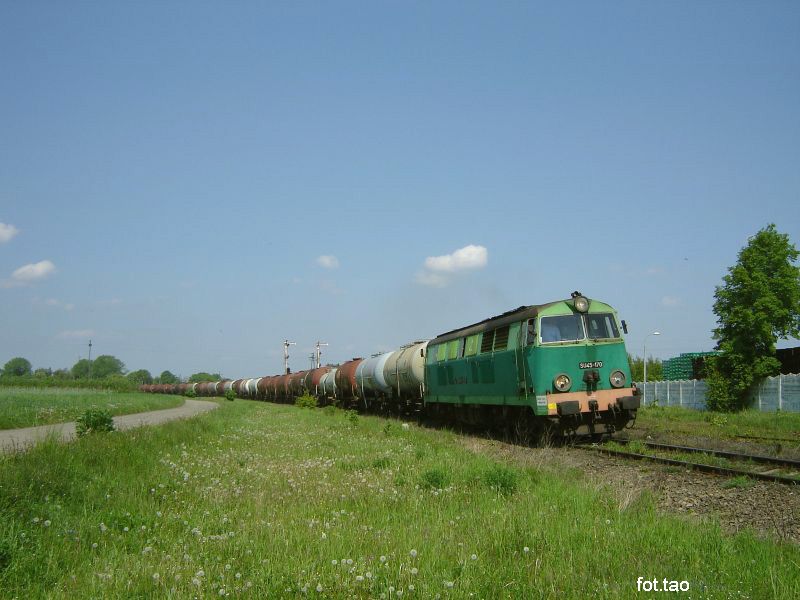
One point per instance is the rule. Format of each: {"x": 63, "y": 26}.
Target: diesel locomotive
{"x": 559, "y": 367}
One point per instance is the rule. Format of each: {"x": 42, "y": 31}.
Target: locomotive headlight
{"x": 617, "y": 379}
{"x": 581, "y": 304}
{"x": 562, "y": 382}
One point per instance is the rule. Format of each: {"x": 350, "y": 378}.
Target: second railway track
{"x": 782, "y": 470}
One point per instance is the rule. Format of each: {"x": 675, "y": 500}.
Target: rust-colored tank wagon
{"x": 268, "y": 385}
{"x": 202, "y": 389}
{"x": 346, "y": 385}
{"x": 404, "y": 370}
{"x": 314, "y": 378}
{"x": 262, "y": 387}
{"x": 280, "y": 387}
{"x": 296, "y": 384}
{"x": 234, "y": 385}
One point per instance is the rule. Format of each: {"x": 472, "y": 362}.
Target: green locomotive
{"x": 561, "y": 365}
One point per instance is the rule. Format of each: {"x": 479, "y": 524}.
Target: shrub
{"x": 230, "y": 395}
{"x": 94, "y": 420}
{"x": 190, "y": 393}
{"x": 306, "y": 401}
{"x": 436, "y": 479}
{"x": 352, "y": 416}
{"x": 501, "y": 479}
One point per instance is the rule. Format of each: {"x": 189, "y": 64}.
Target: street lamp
{"x": 644, "y": 358}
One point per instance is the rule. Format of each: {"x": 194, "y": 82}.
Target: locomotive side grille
{"x": 487, "y": 341}
{"x": 501, "y": 338}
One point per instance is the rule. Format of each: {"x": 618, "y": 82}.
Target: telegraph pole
{"x": 312, "y": 359}
{"x": 90, "y": 359}
{"x": 319, "y": 353}
{"x": 286, "y": 344}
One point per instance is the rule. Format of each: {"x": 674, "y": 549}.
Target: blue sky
{"x": 171, "y": 173}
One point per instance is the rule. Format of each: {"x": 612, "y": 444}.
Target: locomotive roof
{"x": 512, "y": 316}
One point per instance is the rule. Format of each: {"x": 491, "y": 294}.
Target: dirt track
{"x": 12, "y": 440}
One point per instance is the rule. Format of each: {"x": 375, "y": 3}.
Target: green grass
{"x": 262, "y": 500}
{"x": 27, "y": 407}
{"x": 672, "y": 419}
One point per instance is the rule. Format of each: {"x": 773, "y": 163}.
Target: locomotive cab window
{"x": 601, "y": 326}
{"x": 565, "y": 328}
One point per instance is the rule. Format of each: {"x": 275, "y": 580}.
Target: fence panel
{"x": 774, "y": 393}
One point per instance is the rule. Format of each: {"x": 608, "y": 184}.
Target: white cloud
{"x": 328, "y": 261}
{"x": 76, "y": 334}
{"x": 33, "y": 271}
{"x": 438, "y": 269}
{"x": 468, "y": 257}
{"x": 7, "y": 232}
{"x": 670, "y": 301}
{"x": 431, "y": 279}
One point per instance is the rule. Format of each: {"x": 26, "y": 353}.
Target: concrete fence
{"x": 774, "y": 393}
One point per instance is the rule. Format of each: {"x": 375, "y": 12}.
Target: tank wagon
{"x": 560, "y": 366}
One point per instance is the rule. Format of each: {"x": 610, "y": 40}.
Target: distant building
{"x": 790, "y": 360}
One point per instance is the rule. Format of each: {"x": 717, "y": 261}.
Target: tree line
{"x": 103, "y": 367}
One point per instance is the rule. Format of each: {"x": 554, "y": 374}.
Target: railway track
{"x": 780, "y": 470}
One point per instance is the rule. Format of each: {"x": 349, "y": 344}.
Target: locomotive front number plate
{"x": 591, "y": 365}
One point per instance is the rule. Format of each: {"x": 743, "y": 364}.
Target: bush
{"x": 501, "y": 479}
{"x": 190, "y": 393}
{"x": 230, "y": 395}
{"x": 94, "y": 420}
{"x": 352, "y": 416}
{"x": 306, "y": 401}
{"x": 436, "y": 479}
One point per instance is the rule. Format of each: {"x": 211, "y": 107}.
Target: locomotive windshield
{"x": 571, "y": 328}
{"x": 601, "y": 326}
{"x": 566, "y": 328}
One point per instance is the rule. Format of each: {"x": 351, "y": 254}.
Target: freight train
{"x": 559, "y": 367}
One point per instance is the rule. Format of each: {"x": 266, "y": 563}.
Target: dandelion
{"x": 382, "y": 559}
{"x": 448, "y": 584}
{"x": 526, "y": 549}
{"x": 359, "y": 578}
{"x": 608, "y": 521}
{"x": 94, "y": 545}
{"x": 47, "y": 523}
{"x": 405, "y": 426}
{"x": 474, "y": 557}
{"x": 227, "y": 567}
{"x": 125, "y": 529}
{"x": 156, "y": 576}
{"x": 158, "y": 513}
{"x": 368, "y": 575}
{"x": 411, "y": 587}
{"x": 349, "y": 561}
{"x": 319, "y": 587}
{"x": 238, "y": 576}
{"x": 221, "y": 591}
{"x": 35, "y": 519}
{"x": 413, "y": 554}
{"x": 200, "y": 573}
{"x": 195, "y": 581}
{"x": 399, "y": 593}
{"x": 147, "y": 549}
{"x": 414, "y": 570}
{"x": 103, "y": 527}
{"x": 324, "y": 535}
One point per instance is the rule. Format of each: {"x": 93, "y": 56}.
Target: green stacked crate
{"x": 682, "y": 367}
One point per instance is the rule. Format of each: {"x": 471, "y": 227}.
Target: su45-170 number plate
{"x": 591, "y": 365}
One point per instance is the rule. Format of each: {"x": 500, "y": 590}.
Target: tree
{"x": 758, "y": 303}
{"x": 142, "y": 376}
{"x": 17, "y": 366}
{"x": 106, "y": 365}
{"x": 655, "y": 370}
{"x": 167, "y": 377}
{"x": 43, "y": 372}
{"x": 202, "y": 376}
{"x": 81, "y": 368}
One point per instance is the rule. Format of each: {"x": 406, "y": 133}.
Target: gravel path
{"x": 12, "y": 440}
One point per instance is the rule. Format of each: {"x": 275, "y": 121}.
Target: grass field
{"x": 260, "y": 500}
{"x": 26, "y": 407}
{"x": 781, "y": 425}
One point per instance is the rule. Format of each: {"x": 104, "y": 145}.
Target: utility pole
{"x": 319, "y": 353}
{"x": 286, "y": 344}
{"x": 312, "y": 359}
{"x": 90, "y": 359}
